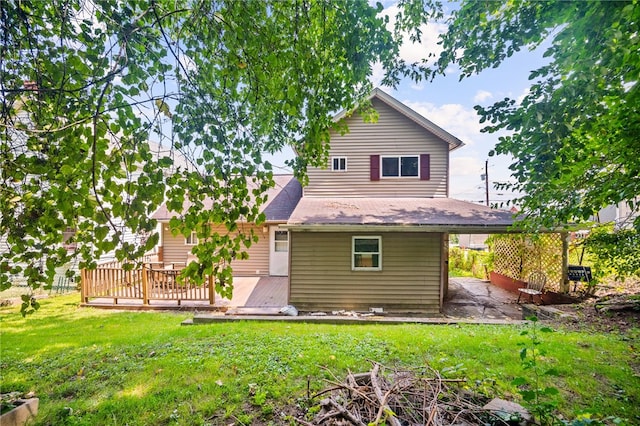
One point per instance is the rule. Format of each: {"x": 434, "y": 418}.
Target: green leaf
{"x": 528, "y": 395}
{"x": 552, "y": 372}
{"x": 519, "y": 381}
{"x": 523, "y": 353}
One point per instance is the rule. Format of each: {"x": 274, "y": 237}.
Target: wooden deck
{"x": 248, "y": 292}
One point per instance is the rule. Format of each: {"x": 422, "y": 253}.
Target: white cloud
{"x": 523, "y": 95}
{"x": 409, "y": 51}
{"x": 482, "y": 95}
{"x": 456, "y": 119}
{"x": 377, "y": 74}
{"x": 415, "y": 52}
{"x": 467, "y": 166}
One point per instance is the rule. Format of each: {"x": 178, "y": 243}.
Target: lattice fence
{"x": 517, "y": 256}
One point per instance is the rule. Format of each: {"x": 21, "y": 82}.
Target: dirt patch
{"x": 589, "y": 318}
{"x": 592, "y": 315}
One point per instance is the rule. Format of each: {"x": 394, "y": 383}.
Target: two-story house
{"x": 371, "y": 229}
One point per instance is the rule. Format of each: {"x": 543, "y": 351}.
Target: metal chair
{"x": 535, "y": 285}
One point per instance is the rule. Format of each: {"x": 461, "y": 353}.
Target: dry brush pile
{"x": 401, "y": 397}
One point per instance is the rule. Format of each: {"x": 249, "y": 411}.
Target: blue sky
{"x": 449, "y": 103}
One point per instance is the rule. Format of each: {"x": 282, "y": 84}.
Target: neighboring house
{"x": 473, "y": 241}
{"x": 16, "y": 143}
{"x": 371, "y": 230}
{"x": 269, "y": 256}
{"x": 622, "y": 214}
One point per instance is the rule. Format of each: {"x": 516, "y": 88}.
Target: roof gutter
{"x": 454, "y": 229}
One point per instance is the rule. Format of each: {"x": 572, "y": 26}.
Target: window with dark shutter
{"x": 374, "y": 167}
{"x": 425, "y": 167}
{"x": 400, "y": 166}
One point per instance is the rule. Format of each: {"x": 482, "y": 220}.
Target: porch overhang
{"x": 320, "y": 214}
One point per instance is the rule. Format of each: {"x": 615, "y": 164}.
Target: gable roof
{"x": 399, "y": 214}
{"x": 282, "y": 199}
{"x": 428, "y": 125}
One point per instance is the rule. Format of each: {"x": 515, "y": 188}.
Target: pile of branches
{"x": 399, "y": 398}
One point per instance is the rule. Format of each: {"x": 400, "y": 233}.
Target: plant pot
{"x": 25, "y": 410}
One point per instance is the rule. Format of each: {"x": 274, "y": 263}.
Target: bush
{"x": 614, "y": 252}
{"x": 469, "y": 263}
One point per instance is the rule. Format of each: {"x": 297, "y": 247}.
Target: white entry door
{"x": 279, "y": 251}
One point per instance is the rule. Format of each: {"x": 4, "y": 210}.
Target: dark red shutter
{"x": 425, "y": 167}
{"x": 374, "y": 163}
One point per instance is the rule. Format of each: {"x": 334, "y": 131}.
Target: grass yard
{"x": 98, "y": 367}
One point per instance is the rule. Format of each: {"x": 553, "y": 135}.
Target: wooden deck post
{"x": 145, "y": 286}
{"x": 212, "y": 291}
{"x": 83, "y": 283}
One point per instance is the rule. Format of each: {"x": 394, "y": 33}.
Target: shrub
{"x": 469, "y": 263}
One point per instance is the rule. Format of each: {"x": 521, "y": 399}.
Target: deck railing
{"x": 146, "y": 283}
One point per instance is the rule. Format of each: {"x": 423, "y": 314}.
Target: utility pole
{"x": 486, "y": 181}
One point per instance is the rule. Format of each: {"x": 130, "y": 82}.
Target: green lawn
{"x": 91, "y": 366}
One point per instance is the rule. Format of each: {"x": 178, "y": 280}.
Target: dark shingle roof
{"x": 281, "y": 200}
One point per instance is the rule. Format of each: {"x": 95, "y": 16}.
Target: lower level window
{"x": 366, "y": 254}
{"x": 191, "y": 239}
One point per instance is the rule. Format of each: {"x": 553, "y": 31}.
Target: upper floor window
{"x": 401, "y": 166}
{"x": 192, "y": 239}
{"x": 397, "y": 166}
{"x": 339, "y": 164}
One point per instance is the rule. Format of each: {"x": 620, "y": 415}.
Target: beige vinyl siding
{"x": 393, "y": 134}
{"x": 176, "y": 251}
{"x": 321, "y": 277}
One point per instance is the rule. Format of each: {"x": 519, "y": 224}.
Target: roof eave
{"x": 453, "y": 229}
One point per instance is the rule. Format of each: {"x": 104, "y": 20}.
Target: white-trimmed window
{"x": 281, "y": 241}
{"x": 192, "y": 239}
{"x": 400, "y": 166}
{"x": 366, "y": 253}
{"x": 339, "y": 164}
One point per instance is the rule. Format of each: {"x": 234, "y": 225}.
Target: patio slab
{"x": 472, "y": 298}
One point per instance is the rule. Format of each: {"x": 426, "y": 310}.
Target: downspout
{"x": 444, "y": 266}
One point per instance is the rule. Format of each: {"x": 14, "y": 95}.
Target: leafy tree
{"x": 86, "y": 85}
{"x": 614, "y": 252}
{"x": 574, "y": 136}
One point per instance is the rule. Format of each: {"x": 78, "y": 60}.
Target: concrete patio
{"x": 470, "y": 300}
